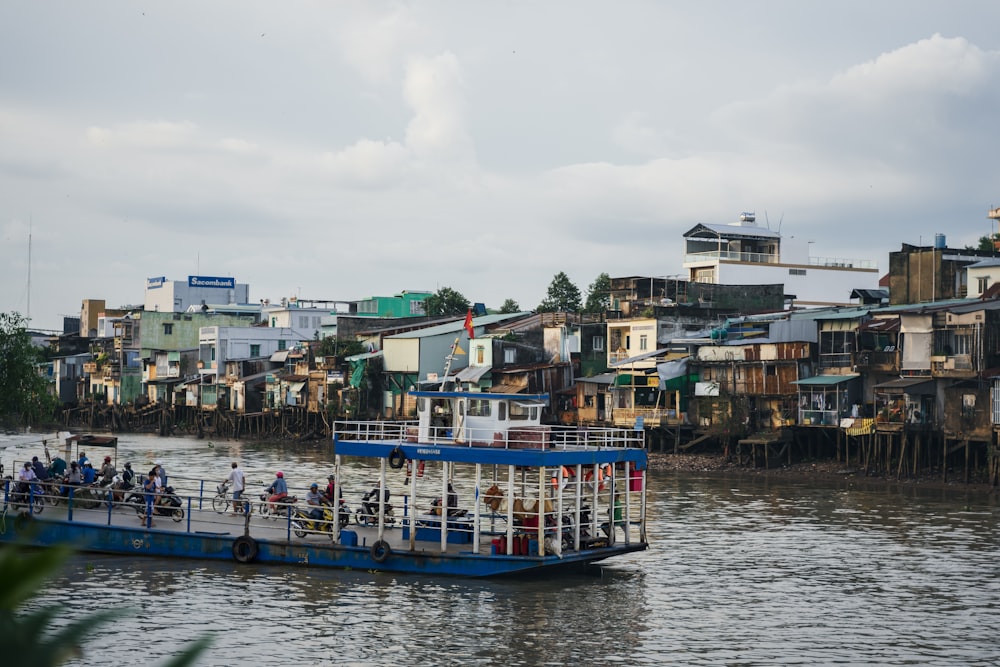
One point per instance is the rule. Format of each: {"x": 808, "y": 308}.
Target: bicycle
{"x": 223, "y": 500}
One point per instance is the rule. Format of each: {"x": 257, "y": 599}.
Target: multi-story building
{"x": 744, "y": 253}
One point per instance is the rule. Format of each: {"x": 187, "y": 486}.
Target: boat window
{"x": 518, "y": 411}
{"x": 479, "y": 407}
{"x": 534, "y": 414}
{"x": 461, "y": 408}
{"x": 502, "y": 411}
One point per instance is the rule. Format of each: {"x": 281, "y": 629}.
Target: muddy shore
{"x": 826, "y": 471}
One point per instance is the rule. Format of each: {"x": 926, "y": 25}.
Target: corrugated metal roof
{"x": 472, "y": 373}
{"x": 732, "y": 231}
{"x": 909, "y": 383}
{"x": 639, "y": 357}
{"x": 280, "y": 357}
{"x": 603, "y": 378}
{"x": 825, "y": 380}
{"x": 458, "y": 325}
{"x": 507, "y": 389}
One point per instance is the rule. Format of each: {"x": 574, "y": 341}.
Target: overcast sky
{"x": 339, "y": 150}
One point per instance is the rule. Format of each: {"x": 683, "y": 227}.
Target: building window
{"x": 255, "y": 350}
{"x": 370, "y": 306}
{"x": 480, "y": 354}
{"x": 281, "y": 345}
{"x": 984, "y": 283}
{"x": 304, "y": 322}
{"x": 509, "y": 355}
{"x": 417, "y": 308}
{"x": 598, "y": 343}
{"x": 168, "y": 329}
{"x": 796, "y": 272}
{"x": 643, "y": 344}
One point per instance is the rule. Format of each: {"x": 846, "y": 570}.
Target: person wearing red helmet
{"x": 278, "y": 490}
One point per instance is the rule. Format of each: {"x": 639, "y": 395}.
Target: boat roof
{"x": 528, "y": 458}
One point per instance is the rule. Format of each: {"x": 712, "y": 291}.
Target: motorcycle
{"x": 303, "y": 522}
{"x": 276, "y": 510}
{"x": 35, "y": 497}
{"x": 367, "y": 514}
{"x": 170, "y": 505}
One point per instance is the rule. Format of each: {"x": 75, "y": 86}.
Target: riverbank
{"x": 829, "y": 471}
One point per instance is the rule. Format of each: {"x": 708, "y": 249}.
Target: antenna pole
{"x": 29, "y": 271}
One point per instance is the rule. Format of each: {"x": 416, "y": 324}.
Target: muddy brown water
{"x": 742, "y": 571}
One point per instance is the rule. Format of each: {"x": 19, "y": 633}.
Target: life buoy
{"x": 564, "y": 481}
{"x": 245, "y": 549}
{"x": 380, "y": 551}
{"x": 397, "y": 458}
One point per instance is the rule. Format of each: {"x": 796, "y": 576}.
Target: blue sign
{"x": 211, "y": 281}
{"x": 153, "y": 283}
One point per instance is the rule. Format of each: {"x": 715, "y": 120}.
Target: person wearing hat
{"x": 128, "y": 476}
{"x": 108, "y": 472}
{"x": 278, "y": 490}
{"x": 315, "y": 502}
{"x": 328, "y": 493}
{"x": 162, "y": 474}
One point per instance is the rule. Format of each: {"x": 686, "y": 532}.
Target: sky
{"x": 341, "y": 150}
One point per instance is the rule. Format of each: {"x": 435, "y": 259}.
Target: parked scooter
{"x": 170, "y": 505}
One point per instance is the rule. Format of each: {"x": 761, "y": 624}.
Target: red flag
{"x": 468, "y": 324}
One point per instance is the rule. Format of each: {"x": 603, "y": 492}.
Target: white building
{"x": 982, "y": 275}
{"x": 743, "y": 253}
{"x": 292, "y": 315}
{"x": 218, "y": 345}
{"x": 177, "y": 296}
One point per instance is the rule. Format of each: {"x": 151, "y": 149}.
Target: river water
{"x": 742, "y": 571}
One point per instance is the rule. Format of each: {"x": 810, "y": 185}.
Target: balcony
{"x": 730, "y": 256}
{"x": 877, "y": 360}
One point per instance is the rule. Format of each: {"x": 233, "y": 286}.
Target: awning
{"x": 857, "y": 427}
{"x": 825, "y": 380}
{"x": 921, "y": 385}
{"x": 529, "y": 404}
{"x": 296, "y": 387}
{"x": 506, "y": 389}
{"x": 472, "y": 373}
{"x": 364, "y": 355}
{"x": 280, "y": 357}
{"x": 603, "y": 378}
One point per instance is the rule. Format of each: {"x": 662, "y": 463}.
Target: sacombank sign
{"x": 211, "y": 281}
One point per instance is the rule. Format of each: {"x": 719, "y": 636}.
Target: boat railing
{"x": 547, "y": 436}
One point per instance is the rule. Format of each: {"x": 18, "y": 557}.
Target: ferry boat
{"x": 478, "y": 487}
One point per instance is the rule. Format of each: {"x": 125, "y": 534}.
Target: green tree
{"x": 510, "y": 306}
{"x": 446, "y": 301}
{"x": 563, "y": 296}
{"x": 599, "y": 295}
{"x": 24, "y": 396}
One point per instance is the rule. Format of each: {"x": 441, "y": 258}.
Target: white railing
{"x": 515, "y": 437}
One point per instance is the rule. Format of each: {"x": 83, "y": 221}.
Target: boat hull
{"x": 320, "y": 552}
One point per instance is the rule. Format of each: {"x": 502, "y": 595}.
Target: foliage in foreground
{"x": 28, "y": 636}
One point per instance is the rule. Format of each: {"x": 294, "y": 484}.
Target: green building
{"x": 404, "y": 304}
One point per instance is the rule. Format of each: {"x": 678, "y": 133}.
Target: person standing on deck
{"x": 149, "y": 489}
{"x": 238, "y": 481}
{"x": 163, "y": 474}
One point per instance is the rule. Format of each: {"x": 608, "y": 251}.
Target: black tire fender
{"x": 381, "y": 551}
{"x": 397, "y": 458}
{"x": 245, "y": 549}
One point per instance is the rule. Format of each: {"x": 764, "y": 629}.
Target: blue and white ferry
{"x": 478, "y": 487}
